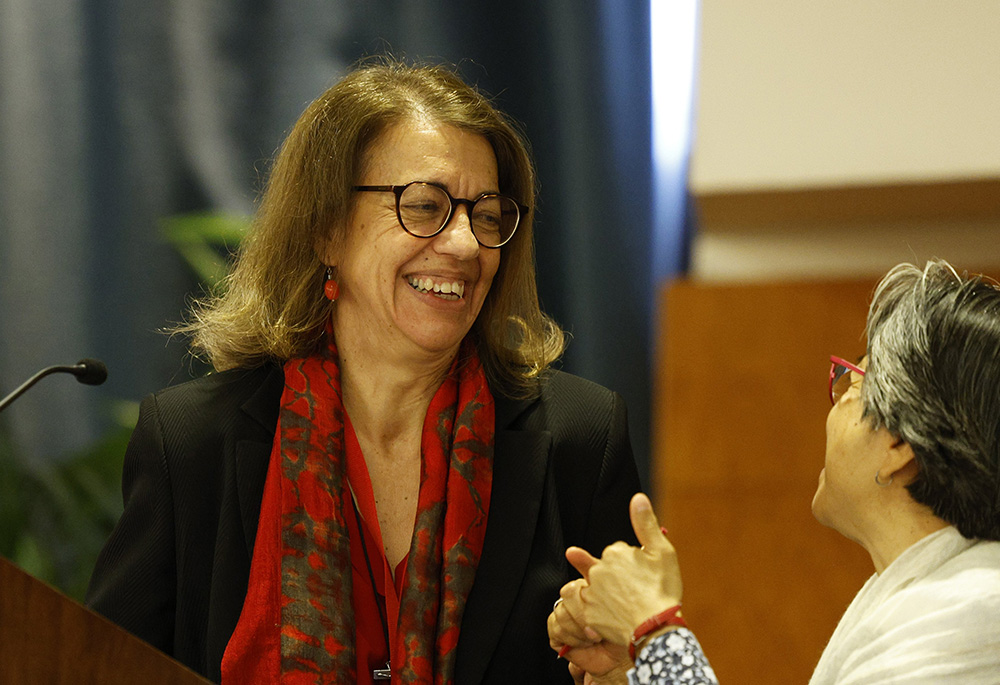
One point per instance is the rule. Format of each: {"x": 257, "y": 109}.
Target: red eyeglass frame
{"x": 834, "y": 363}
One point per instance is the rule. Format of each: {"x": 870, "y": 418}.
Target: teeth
{"x": 427, "y": 285}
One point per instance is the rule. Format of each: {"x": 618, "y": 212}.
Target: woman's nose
{"x": 457, "y": 237}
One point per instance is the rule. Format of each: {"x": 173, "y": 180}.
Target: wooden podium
{"x": 45, "y": 637}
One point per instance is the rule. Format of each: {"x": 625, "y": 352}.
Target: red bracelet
{"x": 667, "y": 617}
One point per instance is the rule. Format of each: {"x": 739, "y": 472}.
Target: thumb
{"x": 644, "y": 523}
{"x": 581, "y": 560}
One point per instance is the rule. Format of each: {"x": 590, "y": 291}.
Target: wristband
{"x": 668, "y": 617}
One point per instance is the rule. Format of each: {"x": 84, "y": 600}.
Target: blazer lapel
{"x": 520, "y": 461}
{"x": 252, "y": 454}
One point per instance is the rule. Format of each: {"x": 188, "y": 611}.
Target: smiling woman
{"x": 380, "y": 480}
{"x": 270, "y": 309}
{"x": 380, "y": 309}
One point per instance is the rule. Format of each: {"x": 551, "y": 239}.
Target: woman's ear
{"x": 327, "y": 248}
{"x": 899, "y": 462}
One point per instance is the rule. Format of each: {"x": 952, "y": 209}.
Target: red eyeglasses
{"x": 840, "y": 380}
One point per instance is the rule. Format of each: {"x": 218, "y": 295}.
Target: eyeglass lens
{"x": 840, "y": 381}
{"x": 424, "y": 209}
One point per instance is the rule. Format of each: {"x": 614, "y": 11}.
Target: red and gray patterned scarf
{"x": 297, "y": 623}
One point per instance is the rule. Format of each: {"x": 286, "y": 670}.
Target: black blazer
{"x": 175, "y": 569}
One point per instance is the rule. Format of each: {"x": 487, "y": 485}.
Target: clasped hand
{"x": 592, "y": 623}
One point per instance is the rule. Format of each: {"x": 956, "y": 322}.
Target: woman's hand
{"x": 592, "y": 623}
{"x": 628, "y": 584}
{"x": 618, "y": 675}
{"x": 592, "y": 660}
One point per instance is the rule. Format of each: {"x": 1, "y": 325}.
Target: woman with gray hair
{"x": 912, "y": 473}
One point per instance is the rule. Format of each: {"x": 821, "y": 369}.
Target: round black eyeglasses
{"x": 424, "y": 209}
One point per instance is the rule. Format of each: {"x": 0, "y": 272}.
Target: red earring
{"x": 331, "y": 288}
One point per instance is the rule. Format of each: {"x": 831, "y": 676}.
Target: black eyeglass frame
{"x": 398, "y": 190}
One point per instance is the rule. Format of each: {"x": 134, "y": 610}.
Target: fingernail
{"x": 592, "y": 634}
{"x": 563, "y": 651}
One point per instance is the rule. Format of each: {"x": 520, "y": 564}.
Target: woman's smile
{"x": 442, "y": 288}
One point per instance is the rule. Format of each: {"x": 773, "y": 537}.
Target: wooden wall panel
{"x": 938, "y": 201}
{"x": 739, "y": 438}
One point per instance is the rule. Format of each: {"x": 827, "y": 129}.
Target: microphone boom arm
{"x": 89, "y": 371}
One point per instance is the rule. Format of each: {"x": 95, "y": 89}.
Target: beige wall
{"x": 805, "y": 95}
{"x": 852, "y": 250}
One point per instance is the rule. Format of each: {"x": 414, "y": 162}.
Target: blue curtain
{"x": 116, "y": 114}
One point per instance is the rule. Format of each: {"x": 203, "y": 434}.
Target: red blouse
{"x": 370, "y": 602}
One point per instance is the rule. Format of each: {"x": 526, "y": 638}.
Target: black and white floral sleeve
{"x": 674, "y": 658}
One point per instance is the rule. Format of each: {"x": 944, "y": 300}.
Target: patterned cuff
{"x": 674, "y": 658}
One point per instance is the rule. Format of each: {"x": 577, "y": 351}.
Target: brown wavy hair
{"x": 271, "y": 306}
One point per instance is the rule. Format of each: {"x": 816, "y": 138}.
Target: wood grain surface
{"x": 45, "y": 637}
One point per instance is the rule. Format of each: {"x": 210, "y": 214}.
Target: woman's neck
{"x": 386, "y": 395}
{"x": 900, "y": 527}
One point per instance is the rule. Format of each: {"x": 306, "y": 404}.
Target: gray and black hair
{"x": 933, "y": 379}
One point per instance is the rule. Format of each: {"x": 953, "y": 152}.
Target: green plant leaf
{"x": 206, "y": 241}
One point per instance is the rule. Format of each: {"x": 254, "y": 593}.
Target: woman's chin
{"x": 815, "y": 508}
{"x": 817, "y": 500}
{"x": 436, "y": 325}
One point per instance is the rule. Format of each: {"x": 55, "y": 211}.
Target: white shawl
{"x": 931, "y": 617}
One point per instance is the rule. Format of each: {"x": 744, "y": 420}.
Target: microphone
{"x": 87, "y": 371}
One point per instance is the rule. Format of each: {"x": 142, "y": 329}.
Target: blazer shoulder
{"x": 560, "y": 386}
{"x": 573, "y": 396}
{"x": 569, "y": 407}
{"x": 222, "y": 389}
{"x": 220, "y": 400}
